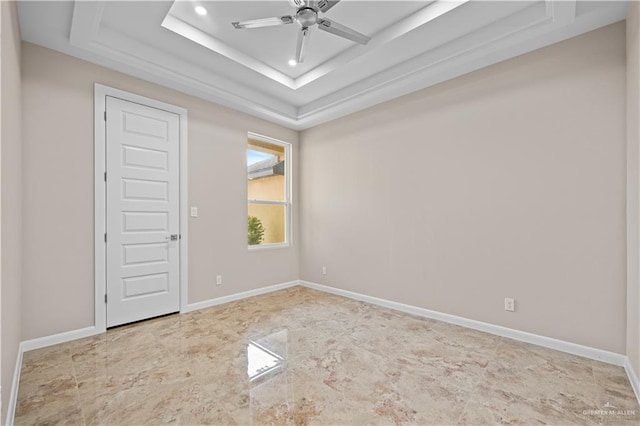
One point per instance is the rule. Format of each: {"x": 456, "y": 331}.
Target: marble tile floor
{"x": 299, "y": 356}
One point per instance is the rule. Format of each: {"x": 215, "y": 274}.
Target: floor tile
{"x": 299, "y": 356}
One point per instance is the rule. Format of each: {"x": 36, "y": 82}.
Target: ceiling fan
{"x": 307, "y": 16}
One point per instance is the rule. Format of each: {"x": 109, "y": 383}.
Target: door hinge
{"x": 105, "y": 116}
{"x": 105, "y": 176}
{"x": 105, "y": 237}
{"x": 105, "y": 298}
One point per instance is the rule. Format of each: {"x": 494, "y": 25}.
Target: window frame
{"x": 287, "y": 191}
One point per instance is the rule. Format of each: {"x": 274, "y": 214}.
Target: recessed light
{"x": 292, "y": 62}
{"x": 201, "y": 10}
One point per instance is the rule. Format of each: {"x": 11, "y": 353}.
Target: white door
{"x": 143, "y": 223}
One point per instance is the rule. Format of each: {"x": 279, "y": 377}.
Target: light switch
{"x": 194, "y": 212}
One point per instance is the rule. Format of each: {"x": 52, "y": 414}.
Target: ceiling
{"x": 414, "y": 44}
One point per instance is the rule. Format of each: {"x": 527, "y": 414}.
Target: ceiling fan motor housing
{"x": 306, "y": 17}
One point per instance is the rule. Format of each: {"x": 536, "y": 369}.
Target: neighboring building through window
{"x": 268, "y": 191}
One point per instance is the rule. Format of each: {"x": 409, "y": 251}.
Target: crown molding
{"x": 501, "y": 38}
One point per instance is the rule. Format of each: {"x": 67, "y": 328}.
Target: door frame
{"x": 100, "y": 194}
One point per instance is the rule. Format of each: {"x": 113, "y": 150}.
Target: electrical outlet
{"x": 324, "y": 270}
{"x": 218, "y": 279}
{"x": 509, "y": 304}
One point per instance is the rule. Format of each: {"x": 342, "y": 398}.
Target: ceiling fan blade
{"x": 303, "y": 43}
{"x": 342, "y": 31}
{"x": 266, "y": 22}
{"x": 297, "y": 3}
{"x": 325, "y": 5}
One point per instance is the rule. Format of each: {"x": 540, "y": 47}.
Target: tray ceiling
{"x": 414, "y": 44}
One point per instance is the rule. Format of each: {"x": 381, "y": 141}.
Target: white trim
{"x": 633, "y": 378}
{"x": 42, "y": 342}
{"x": 547, "y": 342}
{"x": 100, "y": 194}
{"x": 514, "y": 35}
{"x": 288, "y": 203}
{"x": 272, "y": 246}
{"x": 55, "y": 339}
{"x": 100, "y": 218}
{"x": 268, "y": 203}
{"x": 13, "y": 396}
{"x": 417, "y": 19}
{"x": 184, "y": 211}
{"x": 204, "y": 39}
{"x": 237, "y": 296}
{"x": 572, "y": 348}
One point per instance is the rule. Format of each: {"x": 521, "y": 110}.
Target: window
{"x": 268, "y": 192}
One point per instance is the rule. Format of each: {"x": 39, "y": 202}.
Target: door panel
{"x": 137, "y": 222}
{"x": 144, "y": 190}
{"x": 145, "y": 285}
{"x": 143, "y": 272}
{"x": 144, "y": 125}
{"x": 144, "y": 158}
{"x": 136, "y": 254}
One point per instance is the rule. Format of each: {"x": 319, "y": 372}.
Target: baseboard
{"x": 54, "y": 339}
{"x": 548, "y": 342}
{"x": 13, "y": 395}
{"x": 633, "y": 378}
{"x": 572, "y": 348}
{"x": 237, "y": 296}
{"x": 42, "y": 342}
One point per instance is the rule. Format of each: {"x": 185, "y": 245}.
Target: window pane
{"x": 266, "y": 189}
{"x": 266, "y": 224}
{"x": 266, "y": 171}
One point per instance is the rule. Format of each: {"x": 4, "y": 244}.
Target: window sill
{"x": 268, "y": 247}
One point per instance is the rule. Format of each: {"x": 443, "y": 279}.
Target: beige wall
{"x": 58, "y": 193}
{"x": 507, "y": 182}
{"x": 11, "y": 189}
{"x": 633, "y": 185}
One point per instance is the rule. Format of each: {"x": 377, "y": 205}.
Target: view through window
{"x": 267, "y": 191}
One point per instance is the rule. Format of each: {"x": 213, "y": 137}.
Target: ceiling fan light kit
{"x": 267, "y": 22}
{"x": 307, "y": 16}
